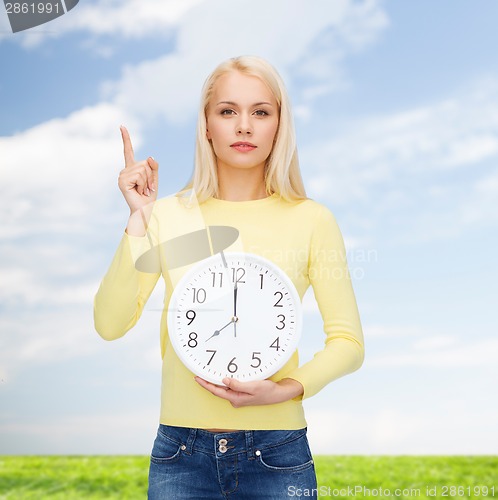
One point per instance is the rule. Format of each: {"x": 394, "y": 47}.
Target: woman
{"x": 247, "y": 439}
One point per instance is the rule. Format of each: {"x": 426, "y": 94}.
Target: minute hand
{"x": 235, "y": 319}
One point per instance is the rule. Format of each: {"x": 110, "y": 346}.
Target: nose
{"x": 243, "y": 126}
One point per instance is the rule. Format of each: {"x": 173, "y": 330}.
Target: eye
{"x": 261, "y": 112}
{"x": 227, "y": 112}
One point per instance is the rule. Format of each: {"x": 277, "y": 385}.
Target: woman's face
{"x": 242, "y": 120}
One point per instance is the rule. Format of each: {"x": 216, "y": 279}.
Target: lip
{"x": 243, "y": 146}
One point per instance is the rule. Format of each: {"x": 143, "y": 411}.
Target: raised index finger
{"x": 129, "y": 155}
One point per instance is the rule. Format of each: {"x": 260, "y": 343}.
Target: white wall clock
{"x": 235, "y": 315}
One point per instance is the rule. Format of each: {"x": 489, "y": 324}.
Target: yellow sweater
{"x": 303, "y": 239}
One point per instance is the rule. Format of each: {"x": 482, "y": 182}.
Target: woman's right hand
{"x": 138, "y": 181}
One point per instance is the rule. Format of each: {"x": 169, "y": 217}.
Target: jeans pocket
{"x": 165, "y": 449}
{"x": 288, "y": 457}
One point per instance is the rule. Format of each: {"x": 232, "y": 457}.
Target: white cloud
{"x": 45, "y": 273}
{"x": 441, "y": 352}
{"x": 58, "y": 175}
{"x": 131, "y": 19}
{"x": 434, "y": 342}
{"x": 424, "y": 346}
{"x": 31, "y": 288}
{"x": 40, "y": 336}
{"x": 205, "y": 27}
{"x": 58, "y": 187}
{"x": 448, "y": 134}
{"x": 482, "y": 202}
{"x": 59, "y": 191}
{"x": 399, "y": 331}
{"x": 425, "y": 173}
{"x": 90, "y": 434}
{"x": 471, "y": 149}
{"x": 169, "y": 86}
{"x": 389, "y": 430}
{"x": 426, "y": 141}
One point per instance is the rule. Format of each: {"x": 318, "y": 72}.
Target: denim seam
{"x": 280, "y": 443}
{"x": 161, "y": 460}
{"x": 295, "y": 468}
{"x": 169, "y": 438}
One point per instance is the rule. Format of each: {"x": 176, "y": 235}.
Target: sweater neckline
{"x": 262, "y": 202}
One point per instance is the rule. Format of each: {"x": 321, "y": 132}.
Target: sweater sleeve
{"x": 329, "y": 276}
{"x": 124, "y": 290}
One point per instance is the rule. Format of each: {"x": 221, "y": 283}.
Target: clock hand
{"x": 235, "y": 319}
{"x": 217, "y": 332}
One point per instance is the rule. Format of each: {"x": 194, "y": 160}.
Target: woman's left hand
{"x": 260, "y": 392}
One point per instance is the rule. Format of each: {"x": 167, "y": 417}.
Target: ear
{"x": 208, "y": 135}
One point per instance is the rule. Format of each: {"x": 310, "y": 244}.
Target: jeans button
{"x": 223, "y": 442}
{"x": 222, "y": 448}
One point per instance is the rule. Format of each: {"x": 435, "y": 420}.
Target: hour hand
{"x": 217, "y": 332}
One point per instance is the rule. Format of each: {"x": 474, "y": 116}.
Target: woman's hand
{"x": 260, "y": 392}
{"x": 138, "y": 180}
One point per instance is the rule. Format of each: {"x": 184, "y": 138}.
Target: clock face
{"x": 235, "y": 315}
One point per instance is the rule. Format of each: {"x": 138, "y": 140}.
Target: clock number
{"x": 192, "y": 339}
{"x": 232, "y": 367}
{"x": 277, "y": 303}
{"x": 282, "y": 322}
{"x": 276, "y": 344}
{"x": 238, "y": 274}
{"x": 212, "y": 356}
{"x": 256, "y": 358}
{"x": 261, "y": 282}
{"x": 199, "y": 295}
{"x": 214, "y": 279}
{"x": 190, "y": 316}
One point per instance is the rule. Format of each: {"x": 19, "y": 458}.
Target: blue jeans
{"x": 194, "y": 464}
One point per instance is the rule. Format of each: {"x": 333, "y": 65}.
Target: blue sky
{"x": 396, "y": 109}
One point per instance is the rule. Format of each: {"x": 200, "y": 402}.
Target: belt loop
{"x": 190, "y": 440}
{"x": 250, "y": 445}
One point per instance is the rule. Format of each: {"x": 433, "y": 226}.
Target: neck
{"x": 241, "y": 185}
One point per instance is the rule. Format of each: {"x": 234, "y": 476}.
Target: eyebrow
{"x": 231, "y": 103}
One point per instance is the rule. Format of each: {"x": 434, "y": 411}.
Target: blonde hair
{"x": 282, "y": 174}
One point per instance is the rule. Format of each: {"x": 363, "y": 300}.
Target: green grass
{"x": 61, "y": 477}
{"x": 412, "y": 473}
{"x": 125, "y": 477}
